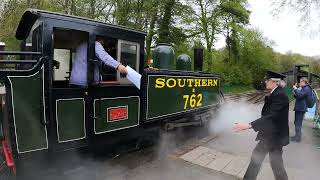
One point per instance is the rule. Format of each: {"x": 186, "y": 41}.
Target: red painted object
{"x": 7, "y": 155}
{"x": 116, "y": 114}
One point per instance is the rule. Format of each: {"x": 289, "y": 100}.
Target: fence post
{"x": 2, "y": 48}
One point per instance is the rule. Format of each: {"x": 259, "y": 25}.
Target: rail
{"x": 17, "y": 61}
{"x": 252, "y": 97}
{"x": 19, "y": 53}
{"x": 35, "y": 62}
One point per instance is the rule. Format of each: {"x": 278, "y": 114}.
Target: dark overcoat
{"x": 273, "y": 126}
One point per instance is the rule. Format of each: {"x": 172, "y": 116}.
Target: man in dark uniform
{"x": 272, "y": 128}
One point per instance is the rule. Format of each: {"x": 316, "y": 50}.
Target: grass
{"x": 231, "y": 89}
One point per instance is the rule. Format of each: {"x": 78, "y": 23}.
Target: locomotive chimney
{"x": 198, "y": 59}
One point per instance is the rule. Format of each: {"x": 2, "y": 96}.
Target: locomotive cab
{"x": 43, "y": 113}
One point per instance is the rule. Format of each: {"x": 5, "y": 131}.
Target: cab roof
{"x": 30, "y": 16}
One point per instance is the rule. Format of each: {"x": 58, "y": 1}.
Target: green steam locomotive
{"x": 41, "y": 115}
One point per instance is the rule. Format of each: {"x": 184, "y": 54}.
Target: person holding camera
{"x": 301, "y": 94}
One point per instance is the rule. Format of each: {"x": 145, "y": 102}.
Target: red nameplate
{"x": 119, "y": 113}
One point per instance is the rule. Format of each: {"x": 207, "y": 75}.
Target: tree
{"x": 203, "y": 25}
{"x": 234, "y": 16}
{"x": 9, "y": 16}
{"x": 308, "y": 10}
{"x": 256, "y": 54}
{"x": 315, "y": 66}
{"x": 164, "y": 29}
{"x": 255, "y": 57}
{"x": 288, "y": 60}
{"x": 154, "y": 17}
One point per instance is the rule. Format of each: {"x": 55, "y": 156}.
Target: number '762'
{"x": 192, "y": 100}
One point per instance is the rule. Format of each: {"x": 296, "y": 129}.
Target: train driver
{"x": 78, "y": 76}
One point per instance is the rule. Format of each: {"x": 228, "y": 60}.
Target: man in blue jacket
{"x": 300, "y": 106}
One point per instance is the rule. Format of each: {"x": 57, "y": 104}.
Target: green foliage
{"x": 315, "y": 66}
{"x": 255, "y": 52}
{"x": 228, "y": 89}
{"x": 236, "y": 74}
{"x": 235, "y": 10}
{"x": 9, "y": 15}
{"x": 234, "y": 16}
{"x": 255, "y": 57}
{"x": 164, "y": 30}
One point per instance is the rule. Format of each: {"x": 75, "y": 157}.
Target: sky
{"x": 284, "y": 30}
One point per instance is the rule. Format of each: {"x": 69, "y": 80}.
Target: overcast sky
{"x": 284, "y": 31}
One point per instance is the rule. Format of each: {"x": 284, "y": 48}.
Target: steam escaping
{"x": 232, "y": 112}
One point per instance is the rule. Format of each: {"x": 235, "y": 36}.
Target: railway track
{"x": 251, "y": 97}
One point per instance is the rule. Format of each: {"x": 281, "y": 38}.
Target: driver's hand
{"x": 122, "y": 69}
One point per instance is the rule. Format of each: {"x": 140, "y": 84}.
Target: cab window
{"x": 106, "y": 73}
{"x": 125, "y": 52}
{"x": 65, "y": 43}
{"x": 128, "y": 55}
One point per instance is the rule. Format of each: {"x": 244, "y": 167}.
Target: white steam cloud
{"x": 232, "y": 112}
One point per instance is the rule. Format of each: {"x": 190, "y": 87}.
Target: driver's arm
{"x": 104, "y": 56}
